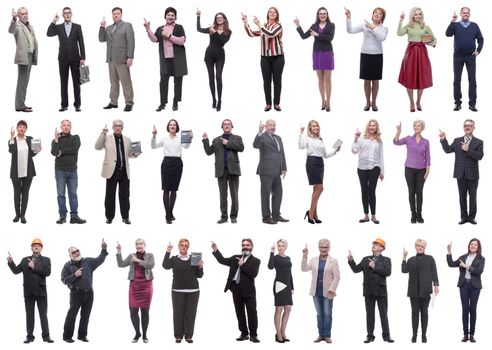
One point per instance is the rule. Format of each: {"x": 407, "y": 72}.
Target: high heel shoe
{"x": 311, "y": 221}
{"x": 219, "y": 106}
{"x": 135, "y": 339}
{"x": 279, "y": 340}
{"x": 315, "y": 218}
{"x": 285, "y": 338}
{"x": 214, "y": 103}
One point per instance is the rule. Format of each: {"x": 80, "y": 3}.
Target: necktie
{"x": 276, "y": 141}
{"x": 114, "y": 27}
{"x": 467, "y": 139}
{"x": 120, "y": 153}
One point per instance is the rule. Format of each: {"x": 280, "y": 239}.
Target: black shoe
{"x": 471, "y": 221}
{"x": 424, "y": 338}
{"x": 175, "y": 105}
{"x": 267, "y": 108}
{"x": 369, "y": 340}
{"x": 306, "y": 216}
{"x": 277, "y": 108}
{"x": 69, "y": 340}
{"x": 109, "y": 106}
{"x": 316, "y": 220}
{"x": 63, "y": 109}
{"x": 222, "y": 221}
{"x": 364, "y": 220}
{"x": 375, "y": 221}
{"x": 389, "y": 340}
{"x": 254, "y": 339}
{"x": 473, "y": 108}
{"x": 61, "y": 220}
{"x": 127, "y": 221}
{"x": 269, "y": 220}
{"x": 242, "y": 337}
{"x": 366, "y": 108}
{"x": 214, "y": 103}
{"x": 84, "y": 339}
{"x": 128, "y": 108}
{"x": 77, "y": 109}
{"x": 160, "y": 108}
{"x": 75, "y": 219}
{"x": 28, "y": 340}
{"x": 189, "y": 340}
{"x": 413, "y": 220}
{"x": 16, "y": 219}
{"x": 472, "y": 339}
{"x": 178, "y": 340}
{"x": 48, "y": 340}
{"x": 286, "y": 339}
{"x": 465, "y": 338}
{"x": 414, "y": 339}
{"x": 219, "y": 106}
{"x": 136, "y": 337}
{"x": 145, "y": 340}
{"x": 278, "y": 340}
{"x": 457, "y": 107}
{"x": 374, "y": 108}
{"x": 24, "y": 109}
{"x": 23, "y": 219}
{"x": 280, "y": 219}
{"x": 233, "y": 221}
{"x": 109, "y": 221}
{"x": 463, "y": 221}
{"x": 420, "y": 219}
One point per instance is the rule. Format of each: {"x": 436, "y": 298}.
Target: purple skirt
{"x": 323, "y": 60}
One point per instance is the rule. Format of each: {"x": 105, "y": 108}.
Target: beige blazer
{"x": 25, "y": 43}
{"x": 331, "y": 275}
{"x": 107, "y": 142}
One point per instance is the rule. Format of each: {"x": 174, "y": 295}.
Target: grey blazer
{"x": 234, "y": 145}
{"x": 120, "y": 43}
{"x": 272, "y": 157}
{"x": 25, "y": 43}
{"x": 147, "y": 263}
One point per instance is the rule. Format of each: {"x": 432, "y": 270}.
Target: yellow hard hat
{"x": 37, "y": 241}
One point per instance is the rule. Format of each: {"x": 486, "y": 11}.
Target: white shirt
{"x": 22, "y": 157}
{"x": 315, "y": 147}
{"x": 373, "y": 38}
{"x": 172, "y": 146}
{"x": 469, "y": 261}
{"x": 370, "y": 154}
{"x": 236, "y": 276}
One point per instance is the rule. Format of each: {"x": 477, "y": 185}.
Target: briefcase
{"x": 84, "y": 74}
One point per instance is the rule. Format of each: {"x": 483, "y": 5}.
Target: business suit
{"x": 272, "y": 164}
{"x": 120, "y": 46}
{"x": 116, "y": 171}
{"x": 374, "y": 290}
{"x": 26, "y": 55}
{"x": 466, "y": 172}
{"x": 35, "y": 291}
{"x": 70, "y": 53}
{"x": 227, "y": 169}
{"x": 244, "y": 292}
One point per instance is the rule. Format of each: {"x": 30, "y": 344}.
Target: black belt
{"x": 80, "y": 290}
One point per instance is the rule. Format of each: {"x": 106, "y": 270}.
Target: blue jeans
{"x": 69, "y": 180}
{"x": 323, "y": 307}
{"x": 469, "y": 299}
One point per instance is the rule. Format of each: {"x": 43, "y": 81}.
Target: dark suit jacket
{"x": 248, "y": 273}
{"x": 72, "y": 47}
{"x": 465, "y": 163}
{"x": 421, "y": 276}
{"x": 374, "y": 279}
{"x": 31, "y": 171}
{"x": 323, "y": 41}
{"x": 180, "y": 65}
{"x": 234, "y": 145}
{"x": 272, "y": 160}
{"x": 476, "y": 269}
{"x": 34, "y": 279}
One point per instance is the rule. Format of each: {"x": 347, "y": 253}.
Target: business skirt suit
{"x": 283, "y": 284}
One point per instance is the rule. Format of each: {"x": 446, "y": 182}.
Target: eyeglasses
{"x": 323, "y": 13}
{"x": 75, "y": 252}
{"x": 118, "y": 125}
{"x": 468, "y": 125}
{"x": 67, "y": 13}
{"x": 324, "y": 247}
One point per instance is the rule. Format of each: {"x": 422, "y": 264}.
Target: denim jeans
{"x": 69, "y": 180}
{"x": 323, "y": 307}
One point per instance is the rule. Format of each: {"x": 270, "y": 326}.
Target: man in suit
{"x": 71, "y": 55}
{"x": 35, "y": 268}
{"x": 243, "y": 269}
{"x": 120, "y": 47}
{"x": 375, "y": 268}
{"x": 26, "y": 54}
{"x": 468, "y": 150}
{"x": 227, "y": 168}
{"x": 116, "y": 170}
{"x": 271, "y": 166}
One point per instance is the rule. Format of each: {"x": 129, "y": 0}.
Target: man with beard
{"x": 77, "y": 275}
{"x": 243, "y": 269}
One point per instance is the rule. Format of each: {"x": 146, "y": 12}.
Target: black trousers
{"x": 164, "y": 83}
{"x": 271, "y": 69}
{"x": 120, "y": 179}
{"x": 79, "y": 300}
{"x": 469, "y": 300}
{"x": 415, "y": 183}
{"x": 21, "y": 194}
{"x": 467, "y": 188}
{"x": 419, "y": 306}
{"x": 240, "y": 303}
{"x": 368, "y": 182}
{"x": 184, "y": 313}
{"x": 74, "y": 67}
{"x": 42, "y": 302}
{"x": 271, "y": 185}
{"x": 470, "y": 62}
{"x": 233, "y": 182}
{"x": 382, "y": 301}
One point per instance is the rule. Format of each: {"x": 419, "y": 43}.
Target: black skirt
{"x": 171, "y": 171}
{"x": 315, "y": 169}
{"x": 371, "y": 66}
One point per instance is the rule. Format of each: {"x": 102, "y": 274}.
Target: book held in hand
{"x": 186, "y": 136}
{"x": 36, "y": 145}
{"x": 195, "y": 258}
{"x": 136, "y": 147}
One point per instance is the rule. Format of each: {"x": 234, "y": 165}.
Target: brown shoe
{"x": 328, "y": 340}
{"x": 318, "y": 340}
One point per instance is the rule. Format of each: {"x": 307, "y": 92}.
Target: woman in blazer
{"x": 416, "y": 70}
{"x": 325, "y": 277}
{"x": 21, "y": 168}
{"x": 140, "y": 294}
{"x": 283, "y": 288}
{"x": 323, "y": 32}
{"x": 417, "y": 166}
{"x": 185, "y": 290}
{"x": 471, "y": 267}
{"x": 422, "y": 282}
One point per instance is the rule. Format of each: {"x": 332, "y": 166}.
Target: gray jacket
{"x": 120, "y": 42}
{"x": 25, "y": 43}
{"x": 147, "y": 263}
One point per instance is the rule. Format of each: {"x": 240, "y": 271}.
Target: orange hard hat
{"x": 381, "y": 242}
{"x": 37, "y": 241}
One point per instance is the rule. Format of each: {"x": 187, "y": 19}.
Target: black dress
{"x": 283, "y": 284}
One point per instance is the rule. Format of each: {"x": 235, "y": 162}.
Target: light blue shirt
{"x": 465, "y": 24}
{"x": 68, "y": 28}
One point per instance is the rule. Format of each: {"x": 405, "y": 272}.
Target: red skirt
{"x": 416, "y": 70}
{"x": 140, "y": 292}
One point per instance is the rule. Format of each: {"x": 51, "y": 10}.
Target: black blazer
{"x": 248, "y": 273}
{"x": 34, "y": 279}
{"x": 180, "y": 66}
{"x": 374, "y": 279}
{"x": 421, "y": 276}
{"x": 465, "y": 163}
{"x": 72, "y": 47}
{"x": 234, "y": 145}
{"x": 475, "y": 269}
{"x": 323, "y": 41}
{"x": 31, "y": 171}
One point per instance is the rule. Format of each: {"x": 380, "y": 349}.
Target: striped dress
{"x": 271, "y": 38}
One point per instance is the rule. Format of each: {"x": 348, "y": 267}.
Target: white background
{"x": 197, "y": 205}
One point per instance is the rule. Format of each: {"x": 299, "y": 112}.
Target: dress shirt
{"x": 370, "y": 154}
{"x": 172, "y": 146}
{"x": 22, "y": 157}
{"x": 467, "y": 139}
{"x": 373, "y": 38}
{"x": 68, "y": 28}
{"x": 465, "y": 24}
{"x": 238, "y": 272}
{"x": 418, "y": 155}
{"x": 469, "y": 261}
{"x": 315, "y": 147}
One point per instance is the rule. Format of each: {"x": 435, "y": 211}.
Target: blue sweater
{"x": 464, "y": 38}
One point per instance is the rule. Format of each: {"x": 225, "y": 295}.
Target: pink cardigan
{"x": 331, "y": 275}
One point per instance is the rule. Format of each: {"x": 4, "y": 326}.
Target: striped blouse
{"x": 271, "y": 38}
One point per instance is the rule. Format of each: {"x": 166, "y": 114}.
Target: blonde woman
{"x": 370, "y": 167}
{"x": 315, "y": 168}
{"x": 416, "y": 70}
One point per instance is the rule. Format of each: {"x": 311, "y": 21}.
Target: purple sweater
{"x": 418, "y": 155}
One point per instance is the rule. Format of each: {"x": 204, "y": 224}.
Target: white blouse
{"x": 172, "y": 146}
{"x": 370, "y": 154}
{"x": 315, "y": 147}
{"x": 373, "y": 38}
{"x": 22, "y": 157}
